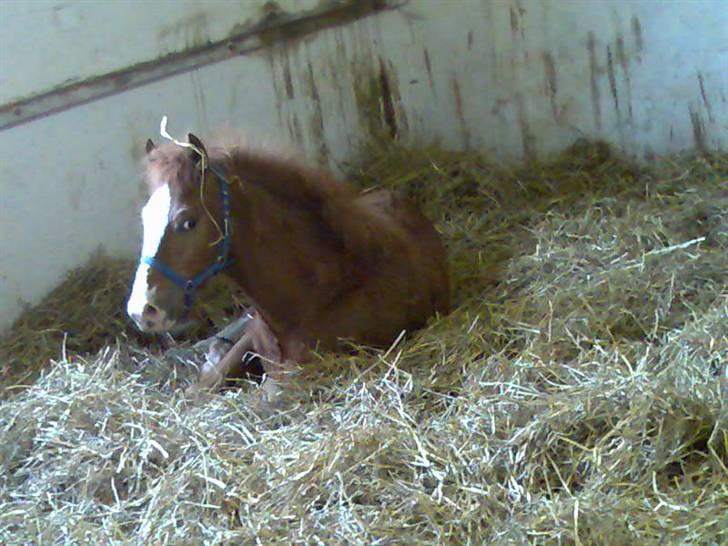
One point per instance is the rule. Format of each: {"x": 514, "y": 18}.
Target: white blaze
{"x": 155, "y": 216}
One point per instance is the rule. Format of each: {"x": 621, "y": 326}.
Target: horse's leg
{"x": 222, "y": 342}
{"x": 281, "y": 371}
{"x": 274, "y": 358}
{"x": 213, "y": 375}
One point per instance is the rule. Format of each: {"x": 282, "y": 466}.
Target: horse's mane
{"x": 278, "y": 169}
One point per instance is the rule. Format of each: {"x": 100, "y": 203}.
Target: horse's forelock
{"x": 168, "y": 164}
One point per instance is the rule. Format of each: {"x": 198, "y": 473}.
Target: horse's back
{"x": 406, "y": 214}
{"x": 423, "y": 257}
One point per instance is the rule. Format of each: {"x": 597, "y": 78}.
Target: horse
{"x": 320, "y": 260}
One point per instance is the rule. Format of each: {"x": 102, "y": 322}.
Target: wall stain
{"x": 514, "y": 22}
{"x": 464, "y": 131}
{"x": 388, "y": 113}
{"x": 498, "y": 105}
{"x": 593, "y": 72}
{"x": 517, "y": 27}
{"x": 287, "y": 79}
{"x": 291, "y": 132}
{"x": 365, "y": 83}
{"x": 305, "y": 29}
{"x": 708, "y": 107}
{"x": 295, "y": 131}
{"x": 377, "y": 97}
{"x": 637, "y": 34}
{"x": 527, "y": 138}
{"x": 400, "y": 110}
{"x": 277, "y": 91}
{"x": 551, "y": 82}
{"x": 470, "y": 40}
{"x": 613, "y": 84}
{"x": 187, "y": 33}
{"x": 699, "y": 135}
{"x": 624, "y": 63}
{"x": 428, "y": 66}
{"x": 317, "y": 119}
{"x": 298, "y": 132}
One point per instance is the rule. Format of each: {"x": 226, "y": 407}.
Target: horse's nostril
{"x": 150, "y": 311}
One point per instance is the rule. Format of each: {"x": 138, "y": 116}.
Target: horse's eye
{"x": 188, "y": 225}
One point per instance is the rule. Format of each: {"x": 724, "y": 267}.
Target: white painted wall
{"x": 527, "y": 81}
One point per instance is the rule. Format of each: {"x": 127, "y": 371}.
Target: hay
{"x": 572, "y": 397}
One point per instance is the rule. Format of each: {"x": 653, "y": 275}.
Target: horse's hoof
{"x": 265, "y": 400}
{"x": 270, "y": 391}
{"x": 193, "y": 393}
{"x": 216, "y": 351}
{"x": 210, "y": 377}
{"x": 198, "y": 393}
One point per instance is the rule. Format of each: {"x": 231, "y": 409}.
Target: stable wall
{"x": 519, "y": 79}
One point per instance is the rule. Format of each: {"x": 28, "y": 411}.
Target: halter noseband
{"x": 223, "y": 260}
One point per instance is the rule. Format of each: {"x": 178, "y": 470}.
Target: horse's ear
{"x": 197, "y": 143}
{"x": 150, "y": 146}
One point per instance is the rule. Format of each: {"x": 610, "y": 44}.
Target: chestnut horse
{"x": 319, "y": 260}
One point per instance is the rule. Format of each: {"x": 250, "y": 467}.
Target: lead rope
{"x": 203, "y": 160}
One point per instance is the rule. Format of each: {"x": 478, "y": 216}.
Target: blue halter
{"x": 222, "y": 262}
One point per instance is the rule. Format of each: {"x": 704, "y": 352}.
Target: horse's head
{"x": 185, "y": 236}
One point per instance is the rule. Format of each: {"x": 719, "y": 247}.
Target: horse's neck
{"x": 282, "y": 260}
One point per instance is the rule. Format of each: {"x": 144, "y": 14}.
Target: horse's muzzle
{"x": 152, "y": 319}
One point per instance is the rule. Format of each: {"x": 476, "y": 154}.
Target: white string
{"x": 203, "y": 159}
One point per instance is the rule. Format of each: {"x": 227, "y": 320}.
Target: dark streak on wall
{"x": 637, "y": 34}
{"x": 287, "y": 79}
{"x": 388, "y": 113}
{"x": 464, "y": 131}
{"x": 317, "y": 120}
{"x": 276, "y": 89}
{"x": 613, "y": 83}
{"x": 514, "y": 22}
{"x": 551, "y": 82}
{"x": 708, "y": 107}
{"x": 593, "y": 73}
{"x": 699, "y": 135}
{"x": 624, "y": 63}
{"x": 527, "y": 138}
{"x": 428, "y": 67}
{"x": 297, "y": 131}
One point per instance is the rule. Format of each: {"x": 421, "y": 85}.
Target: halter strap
{"x": 223, "y": 261}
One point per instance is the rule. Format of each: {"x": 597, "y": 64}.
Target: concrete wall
{"x": 517, "y": 78}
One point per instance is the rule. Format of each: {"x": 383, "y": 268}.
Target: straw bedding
{"x": 577, "y": 394}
